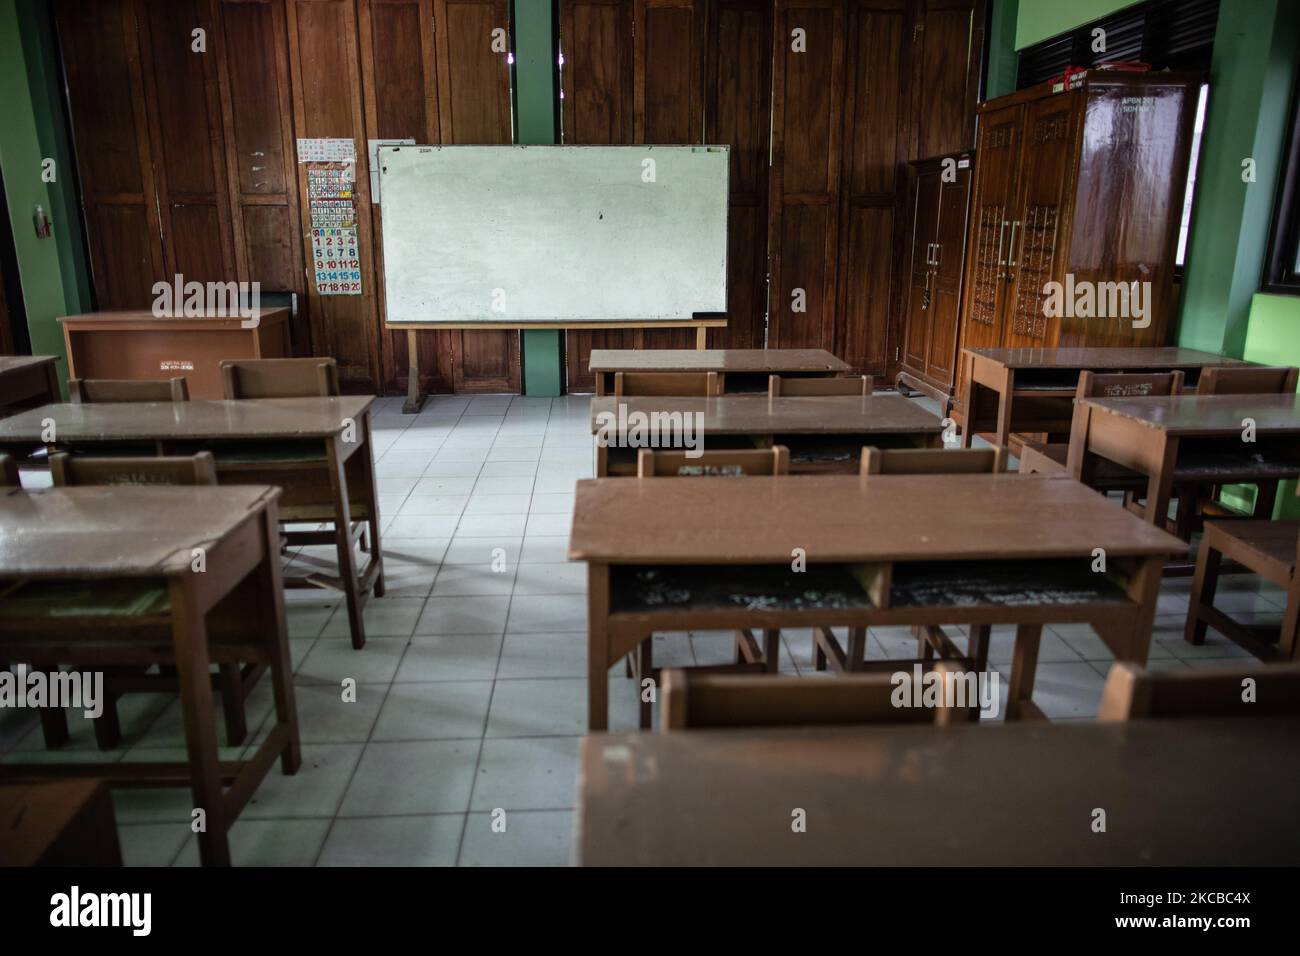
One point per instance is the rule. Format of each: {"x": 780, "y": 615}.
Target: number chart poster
{"x": 336, "y": 259}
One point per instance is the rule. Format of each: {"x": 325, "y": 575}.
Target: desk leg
{"x": 645, "y": 668}
{"x": 1144, "y": 591}
{"x": 371, "y": 493}
{"x": 1160, "y": 484}
{"x": 856, "y": 655}
{"x": 598, "y": 647}
{"x": 1004, "y": 408}
{"x": 271, "y": 601}
{"x": 343, "y": 541}
{"x": 968, "y": 399}
{"x": 1024, "y": 662}
{"x": 190, "y": 636}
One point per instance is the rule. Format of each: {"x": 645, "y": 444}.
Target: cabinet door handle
{"x": 938, "y": 247}
{"x": 1011, "y": 247}
{"x": 1001, "y": 232}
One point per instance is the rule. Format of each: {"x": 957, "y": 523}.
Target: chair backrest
{"x": 933, "y": 461}
{"x": 9, "y": 472}
{"x": 103, "y": 390}
{"x": 688, "y": 384}
{"x": 73, "y": 470}
{"x": 1128, "y": 385}
{"x": 1247, "y": 380}
{"x": 699, "y": 700}
{"x": 1250, "y": 690}
{"x": 280, "y": 378}
{"x": 793, "y": 387}
{"x": 733, "y": 464}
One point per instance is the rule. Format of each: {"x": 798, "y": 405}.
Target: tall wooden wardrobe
{"x": 938, "y": 207}
{"x": 1087, "y": 182}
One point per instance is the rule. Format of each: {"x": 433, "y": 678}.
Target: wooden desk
{"x": 122, "y": 562}
{"x": 715, "y": 553}
{"x": 1190, "y": 438}
{"x": 141, "y": 346}
{"x": 1017, "y": 391}
{"x": 68, "y": 823}
{"x": 27, "y": 381}
{"x": 741, "y": 370}
{"x": 824, "y": 433}
{"x": 317, "y": 449}
{"x": 1175, "y": 792}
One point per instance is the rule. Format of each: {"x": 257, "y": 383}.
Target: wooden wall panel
{"x": 185, "y": 127}
{"x": 325, "y": 74}
{"x": 596, "y": 79}
{"x": 737, "y": 112}
{"x": 106, "y": 101}
{"x": 474, "y": 109}
{"x": 252, "y": 51}
{"x": 401, "y": 101}
{"x": 803, "y": 232}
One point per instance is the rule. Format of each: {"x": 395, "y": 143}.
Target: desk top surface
{"x": 1206, "y": 414}
{"x": 139, "y": 316}
{"x": 847, "y": 518}
{"x": 119, "y": 530}
{"x": 1106, "y": 358}
{"x": 247, "y": 419}
{"x": 715, "y": 360}
{"x": 1176, "y": 792}
{"x": 17, "y": 363}
{"x": 758, "y": 414}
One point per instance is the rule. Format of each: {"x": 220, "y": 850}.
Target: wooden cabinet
{"x": 939, "y": 197}
{"x": 1075, "y": 212}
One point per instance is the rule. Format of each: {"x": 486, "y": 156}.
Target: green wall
{"x": 51, "y": 271}
{"x": 536, "y": 99}
{"x": 1040, "y": 19}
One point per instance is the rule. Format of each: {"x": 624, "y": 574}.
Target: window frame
{"x": 1281, "y": 276}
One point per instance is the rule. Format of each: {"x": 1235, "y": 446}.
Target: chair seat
{"x": 1266, "y": 547}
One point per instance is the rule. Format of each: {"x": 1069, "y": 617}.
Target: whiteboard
{"x": 565, "y": 235}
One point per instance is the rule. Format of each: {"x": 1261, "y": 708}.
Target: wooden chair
{"x": 1203, "y": 499}
{"x": 1247, "y": 380}
{"x": 1051, "y": 458}
{"x": 722, "y": 463}
{"x": 233, "y": 683}
{"x": 9, "y": 472}
{"x": 1270, "y": 549}
{"x": 728, "y": 464}
{"x": 702, "y": 700}
{"x": 101, "y": 390}
{"x": 280, "y": 378}
{"x": 794, "y": 387}
{"x": 672, "y": 384}
{"x": 1133, "y": 693}
{"x": 930, "y": 638}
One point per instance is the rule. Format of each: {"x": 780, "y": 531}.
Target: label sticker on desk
{"x": 175, "y": 365}
{"x": 336, "y": 261}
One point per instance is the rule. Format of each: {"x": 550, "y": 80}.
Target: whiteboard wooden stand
{"x": 415, "y": 395}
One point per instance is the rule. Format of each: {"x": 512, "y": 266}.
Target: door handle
{"x": 938, "y": 248}
{"x": 1001, "y": 232}
{"x": 1011, "y": 249}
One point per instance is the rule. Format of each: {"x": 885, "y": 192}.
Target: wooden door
{"x": 474, "y": 109}
{"x": 1036, "y": 240}
{"x": 947, "y": 54}
{"x": 924, "y": 215}
{"x": 101, "y": 57}
{"x": 252, "y": 59}
{"x": 399, "y": 67}
{"x": 808, "y": 41}
{"x": 738, "y": 114}
{"x": 596, "y": 80}
{"x": 182, "y": 95}
{"x": 945, "y": 285}
{"x": 992, "y": 201}
{"x": 326, "y": 81}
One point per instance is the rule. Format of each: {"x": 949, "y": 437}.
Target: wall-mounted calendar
{"x": 336, "y": 259}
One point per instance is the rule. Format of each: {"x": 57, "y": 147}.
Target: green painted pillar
{"x": 1001, "y": 44}
{"x": 536, "y": 51}
{"x": 52, "y": 271}
{"x": 1250, "y": 86}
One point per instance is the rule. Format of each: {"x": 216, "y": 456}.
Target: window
{"x": 1282, "y": 267}
{"x": 1168, "y": 34}
{"x": 1185, "y": 225}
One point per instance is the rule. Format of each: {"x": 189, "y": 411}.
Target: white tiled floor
{"x": 471, "y": 688}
